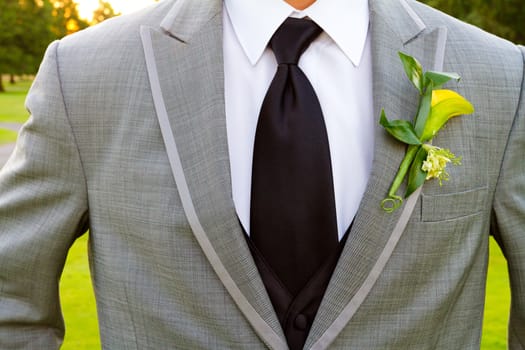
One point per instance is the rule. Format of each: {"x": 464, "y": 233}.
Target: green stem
{"x": 393, "y": 201}
{"x": 425, "y": 103}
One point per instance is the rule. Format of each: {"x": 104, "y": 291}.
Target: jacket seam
{"x": 67, "y": 117}
{"x": 521, "y": 97}
{"x": 518, "y": 107}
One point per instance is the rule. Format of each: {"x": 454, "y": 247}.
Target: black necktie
{"x": 293, "y": 218}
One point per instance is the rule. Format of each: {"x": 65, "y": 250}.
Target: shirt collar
{"x": 255, "y": 21}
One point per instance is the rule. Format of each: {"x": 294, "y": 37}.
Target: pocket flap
{"x": 452, "y": 205}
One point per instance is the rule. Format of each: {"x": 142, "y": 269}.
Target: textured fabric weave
{"x": 92, "y": 155}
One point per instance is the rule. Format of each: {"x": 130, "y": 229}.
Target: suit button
{"x": 301, "y": 322}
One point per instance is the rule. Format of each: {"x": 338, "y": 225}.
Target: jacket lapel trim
{"x": 418, "y": 21}
{"x": 338, "y": 324}
{"x": 439, "y": 58}
{"x": 262, "y": 328}
{"x": 342, "y": 320}
{"x": 186, "y": 17}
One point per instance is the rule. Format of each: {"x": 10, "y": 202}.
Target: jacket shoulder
{"x": 115, "y": 33}
{"x": 459, "y": 31}
{"x": 486, "y": 55}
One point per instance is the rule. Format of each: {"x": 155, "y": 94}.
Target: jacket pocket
{"x": 451, "y": 206}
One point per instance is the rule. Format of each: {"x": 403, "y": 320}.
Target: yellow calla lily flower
{"x": 422, "y": 160}
{"x": 445, "y": 104}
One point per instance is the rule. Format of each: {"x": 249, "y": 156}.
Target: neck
{"x": 300, "y": 4}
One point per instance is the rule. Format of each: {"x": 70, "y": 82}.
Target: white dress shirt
{"x": 339, "y": 66}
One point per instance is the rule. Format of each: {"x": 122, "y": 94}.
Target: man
{"x": 131, "y": 136}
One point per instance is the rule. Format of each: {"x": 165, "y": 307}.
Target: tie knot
{"x": 292, "y": 38}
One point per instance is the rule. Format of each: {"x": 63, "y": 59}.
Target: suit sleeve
{"x": 509, "y": 220}
{"x": 43, "y": 208}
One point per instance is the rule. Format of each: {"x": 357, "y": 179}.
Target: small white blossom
{"x": 436, "y": 163}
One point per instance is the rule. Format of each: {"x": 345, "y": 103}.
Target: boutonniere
{"x": 424, "y": 161}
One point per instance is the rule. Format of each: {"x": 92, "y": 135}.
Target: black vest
{"x": 296, "y": 314}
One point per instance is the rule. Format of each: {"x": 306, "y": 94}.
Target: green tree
{"x": 9, "y": 53}
{"x": 28, "y": 26}
{"x": 66, "y": 18}
{"x": 24, "y": 35}
{"x": 103, "y": 12}
{"x": 504, "y": 18}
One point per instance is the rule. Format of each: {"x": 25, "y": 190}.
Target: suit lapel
{"x": 185, "y": 67}
{"x": 186, "y": 52}
{"x": 394, "y": 27}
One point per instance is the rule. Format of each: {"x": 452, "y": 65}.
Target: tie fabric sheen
{"x": 293, "y": 216}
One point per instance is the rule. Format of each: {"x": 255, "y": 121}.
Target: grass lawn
{"x": 77, "y": 294}
{"x": 12, "y": 109}
{"x": 7, "y": 136}
{"x": 78, "y": 301}
{"x": 497, "y": 302}
{"x": 81, "y": 319}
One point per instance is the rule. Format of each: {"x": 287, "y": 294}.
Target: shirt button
{"x": 301, "y": 322}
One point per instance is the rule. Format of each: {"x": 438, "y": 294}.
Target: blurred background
{"x": 28, "y": 26}
{"x": 505, "y": 18}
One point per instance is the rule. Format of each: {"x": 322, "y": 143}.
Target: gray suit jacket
{"x": 127, "y": 138}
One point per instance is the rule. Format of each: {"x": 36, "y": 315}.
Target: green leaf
{"x": 424, "y": 110}
{"x": 440, "y": 78}
{"x": 402, "y": 130}
{"x": 403, "y": 170}
{"x": 416, "y": 176}
{"x": 413, "y": 70}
